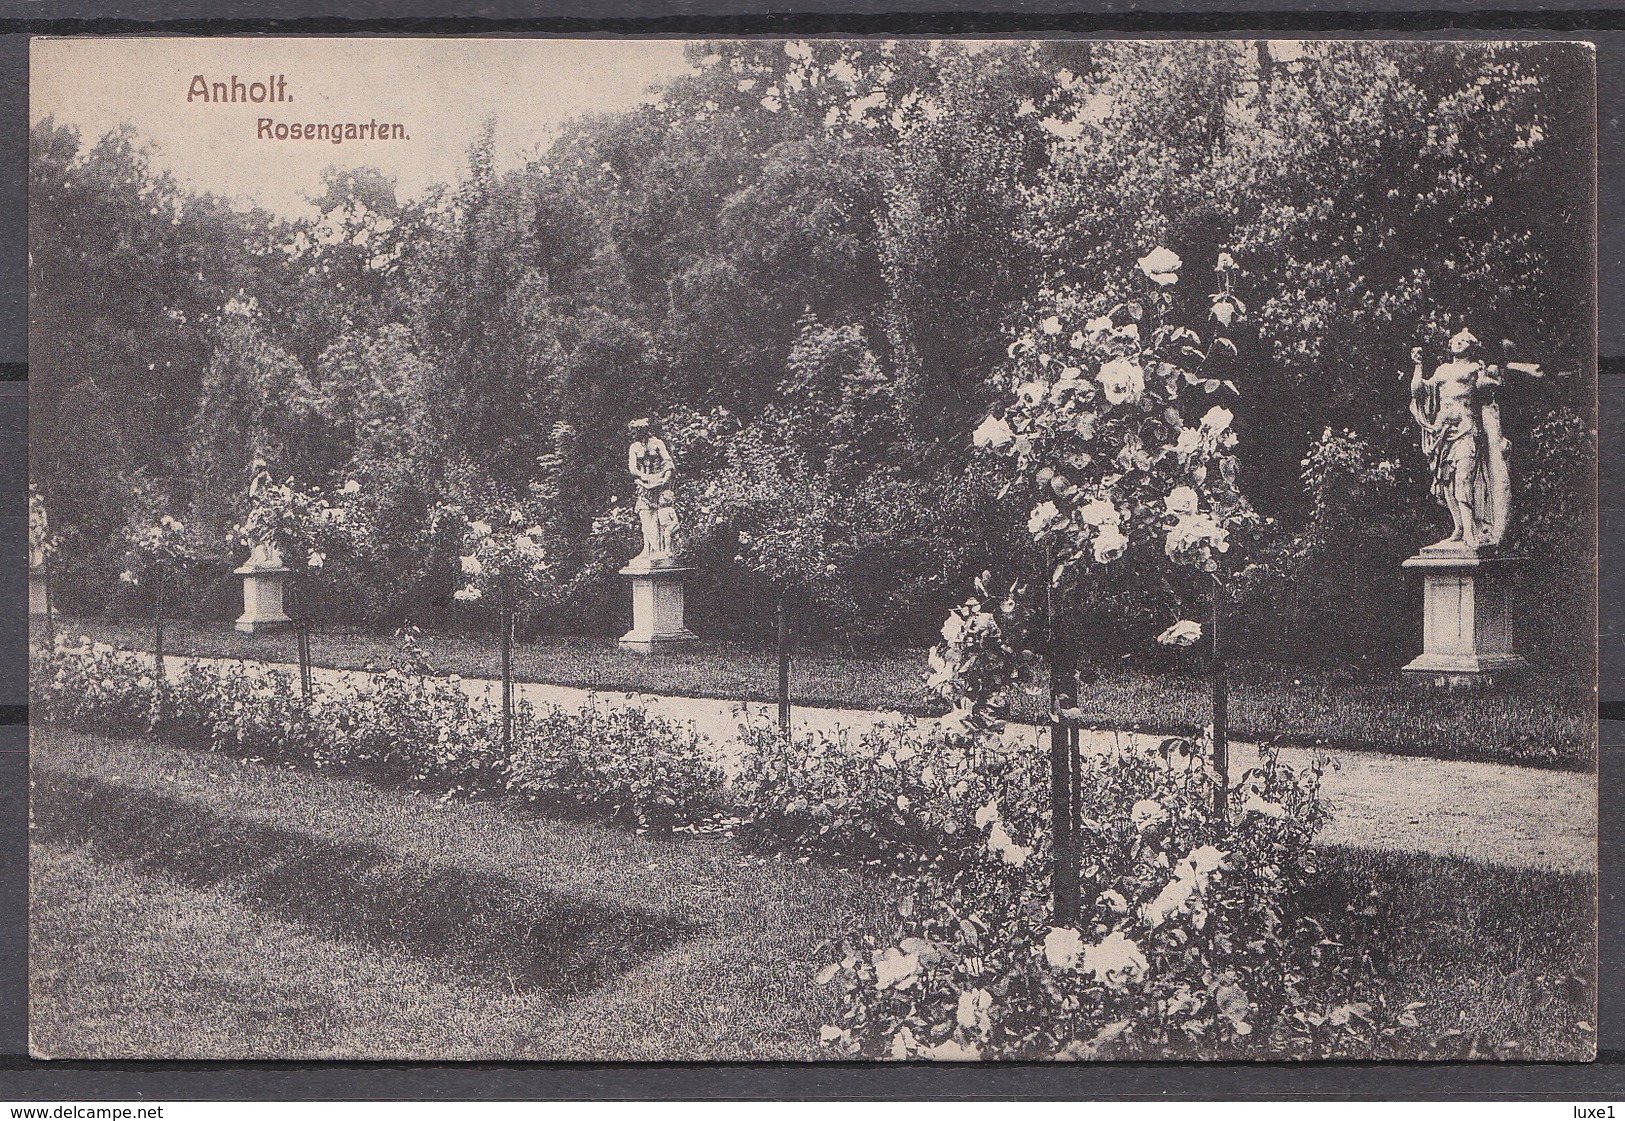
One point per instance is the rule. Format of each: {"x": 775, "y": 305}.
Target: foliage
{"x": 1190, "y": 944}
{"x": 834, "y": 242}
{"x": 888, "y": 798}
{"x": 1366, "y": 512}
{"x": 402, "y": 725}
{"x": 617, "y": 760}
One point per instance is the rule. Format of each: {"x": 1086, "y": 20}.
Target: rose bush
{"x": 91, "y": 685}
{"x": 890, "y": 798}
{"x": 403, "y": 725}
{"x": 1189, "y": 945}
{"x": 620, "y": 761}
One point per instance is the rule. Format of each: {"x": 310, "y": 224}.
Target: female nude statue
{"x": 652, "y": 466}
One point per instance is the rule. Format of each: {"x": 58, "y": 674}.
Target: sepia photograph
{"x": 832, "y": 549}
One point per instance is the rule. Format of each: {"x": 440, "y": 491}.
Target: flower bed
{"x": 404, "y": 726}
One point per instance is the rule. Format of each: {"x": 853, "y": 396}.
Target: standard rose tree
{"x": 1112, "y": 431}
{"x": 291, "y": 532}
{"x": 505, "y": 561}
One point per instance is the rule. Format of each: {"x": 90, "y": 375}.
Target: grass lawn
{"x": 193, "y": 906}
{"x": 1539, "y": 722}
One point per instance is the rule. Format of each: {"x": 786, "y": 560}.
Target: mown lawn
{"x": 173, "y": 917}
{"x": 1539, "y": 722}
{"x": 194, "y": 906}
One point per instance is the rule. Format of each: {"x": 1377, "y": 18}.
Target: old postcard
{"x": 897, "y": 549}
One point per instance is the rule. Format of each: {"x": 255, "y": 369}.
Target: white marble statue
{"x": 1460, "y": 418}
{"x": 652, "y": 467}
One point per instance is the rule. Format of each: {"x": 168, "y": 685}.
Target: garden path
{"x": 1521, "y": 817}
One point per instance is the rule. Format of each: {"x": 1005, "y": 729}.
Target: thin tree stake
{"x": 1221, "y": 714}
{"x": 781, "y": 621}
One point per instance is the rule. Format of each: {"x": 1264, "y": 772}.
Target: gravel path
{"x": 1521, "y": 817}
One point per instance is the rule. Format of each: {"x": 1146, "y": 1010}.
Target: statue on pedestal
{"x": 652, "y": 466}
{"x": 264, "y": 572}
{"x": 657, "y": 579}
{"x": 1468, "y": 611}
{"x": 1460, "y": 418}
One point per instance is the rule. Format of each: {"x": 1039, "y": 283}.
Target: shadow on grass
{"x": 518, "y": 937}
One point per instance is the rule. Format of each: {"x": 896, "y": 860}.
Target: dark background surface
{"x": 25, "y": 1080}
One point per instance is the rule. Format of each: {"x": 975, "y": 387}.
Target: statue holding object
{"x": 657, "y": 578}
{"x": 653, "y": 468}
{"x": 1460, "y": 419}
{"x": 1468, "y": 616}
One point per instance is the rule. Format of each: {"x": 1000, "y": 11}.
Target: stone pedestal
{"x": 262, "y": 599}
{"x": 1467, "y": 617}
{"x": 38, "y": 592}
{"x": 657, "y": 609}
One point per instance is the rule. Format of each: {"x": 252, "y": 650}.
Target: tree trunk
{"x": 782, "y": 623}
{"x": 301, "y": 635}
{"x": 507, "y": 663}
{"x": 50, "y": 607}
{"x": 1063, "y": 739}
{"x": 158, "y": 646}
{"x": 1221, "y": 713}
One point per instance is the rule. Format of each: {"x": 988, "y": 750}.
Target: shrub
{"x": 404, "y": 726}
{"x": 92, "y": 686}
{"x": 245, "y": 712}
{"x": 1187, "y": 947}
{"x": 889, "y": 798}
{"x": 621, "y": 761}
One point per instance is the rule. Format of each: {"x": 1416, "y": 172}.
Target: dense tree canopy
{"x": 810, "y": 259}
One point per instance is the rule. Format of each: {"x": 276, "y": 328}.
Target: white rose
{"x": 1146, "y": 813}
{"x": 1123, "y": 380}
{"x": 1032, "y": 393}
{"x": 1115, "y": 956}
{"x": 1099, "y": 512}
{"x": 993, "y": 433}
{"x": 1181, "y": 500}
{"x": 1043, "y": 518}
{"x": 1062, "y": 947}
{"x": 1161, "y": 265}
{"x": 1217, "y": 419}
{"x": 1183, "y": 633}
{"x": 1109, "y": 544}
